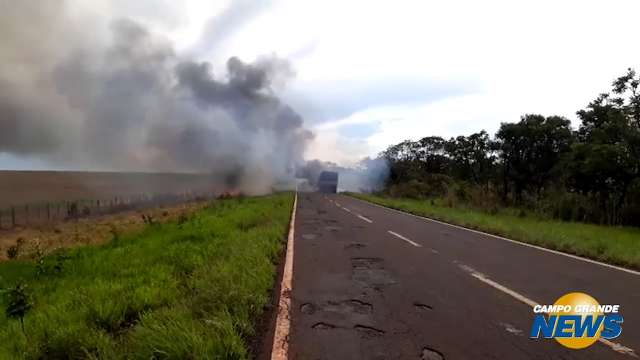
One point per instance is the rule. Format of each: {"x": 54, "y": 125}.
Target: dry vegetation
{"x": 29, "y": 187}
{"x": 95, "y": 230}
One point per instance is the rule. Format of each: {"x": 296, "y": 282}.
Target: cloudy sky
{"x": 372, "y": 73}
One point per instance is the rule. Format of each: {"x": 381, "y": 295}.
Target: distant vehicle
{"x": 328, "y": 182}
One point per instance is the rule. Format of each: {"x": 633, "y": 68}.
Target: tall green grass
{"x": 616, "y": 245}
{"x": 191, "y": 289}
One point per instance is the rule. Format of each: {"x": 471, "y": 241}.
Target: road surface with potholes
{"x": 374, "y": 283}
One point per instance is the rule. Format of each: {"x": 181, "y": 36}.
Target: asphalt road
{"x": 373, "y": 283}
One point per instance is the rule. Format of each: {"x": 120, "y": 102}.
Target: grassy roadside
{"x": 189, "y": 289}
{"x": 616, "y": 245}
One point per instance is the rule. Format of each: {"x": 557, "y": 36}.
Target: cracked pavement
{"x": 392, "y": 286}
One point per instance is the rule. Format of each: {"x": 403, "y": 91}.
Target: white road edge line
{"x": 576, "y": 257}
{"x": 404, "y": 238}
{"x": 516, "y": 295}
{"x": 365, "y": 219}
{"x": 280, "y": 347}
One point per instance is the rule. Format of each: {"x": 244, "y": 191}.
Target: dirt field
{"x": 29, "y": 187}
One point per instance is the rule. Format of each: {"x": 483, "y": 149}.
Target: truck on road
{"x": 328, "y": 182}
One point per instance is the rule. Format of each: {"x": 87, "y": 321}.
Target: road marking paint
{"x": 337, "y": 203}
{"x": 576, "y": 257}
{"x": 434, "y": 251}
{"x": 404, "y": 238}
{"x": 345, "y": 209}
{"x": 280, "y": 347}
{"x": 482, "y": 277}
{"x": 365, "y": 219}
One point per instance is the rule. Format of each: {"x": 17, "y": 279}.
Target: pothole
{"x": 360, "y": 307}
{"x": 370, "y": 272}
{"x": 352, "y": 306}
{"x": 422, "y": 307}
{"x": 307, "y": 308}
{"x": 323, "y": 326}
{"x": 355, "y": 246}
{"x": 431, "y": 354}
{"x": 369, "y": 330}
{"x": 366, "y": 263}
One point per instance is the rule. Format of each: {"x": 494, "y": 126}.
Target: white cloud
{"x": 545, "y": 57}
{"x": 477, "y": 63}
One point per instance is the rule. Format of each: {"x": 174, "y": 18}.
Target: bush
{"x": 14, "y": 250}
{"x": 432, "y": 185}
{"x": 18, "y": 302}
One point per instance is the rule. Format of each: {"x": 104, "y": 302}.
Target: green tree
{"x": 404, "y": 161}
{"x": 531, "y": 150}
{"x": 431, "y": 153}
{"x": 471, "y": 157}
{"x": 606, "y": 160}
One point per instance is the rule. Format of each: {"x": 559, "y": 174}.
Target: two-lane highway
{"x": 374, "y": 283}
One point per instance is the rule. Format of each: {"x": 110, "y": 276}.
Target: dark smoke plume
{"x": 126, "y": 101}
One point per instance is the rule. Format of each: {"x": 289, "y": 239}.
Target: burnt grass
{"x": 193, "y": 288}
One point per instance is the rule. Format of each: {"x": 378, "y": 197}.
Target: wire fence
{"x": 54, "y": 211}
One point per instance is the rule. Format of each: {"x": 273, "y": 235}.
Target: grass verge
{"x": 188, "y": 289}
{"x": 615, "y": 245}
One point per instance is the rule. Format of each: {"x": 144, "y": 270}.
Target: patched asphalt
{"x": 360, "y": 292}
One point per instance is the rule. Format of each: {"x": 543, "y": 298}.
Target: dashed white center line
{"x": 365, "y": 219}
{"x": 404, "y": 238}
{"x": 345, "y": 209}
{"x": 482, "y": 277}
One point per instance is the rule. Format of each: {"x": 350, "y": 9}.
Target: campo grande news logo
{"x": 576, "y": 321}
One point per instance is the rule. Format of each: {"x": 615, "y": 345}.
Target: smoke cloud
{"x": 124, "y": 100}
{"x": 369, "y": 175}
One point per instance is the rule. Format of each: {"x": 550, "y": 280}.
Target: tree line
{"x": 590, "y": 174}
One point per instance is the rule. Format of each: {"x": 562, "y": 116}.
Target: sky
{"x": 369, "y": 74}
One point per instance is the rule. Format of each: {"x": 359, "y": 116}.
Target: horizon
{"x": 417, "y": 76}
